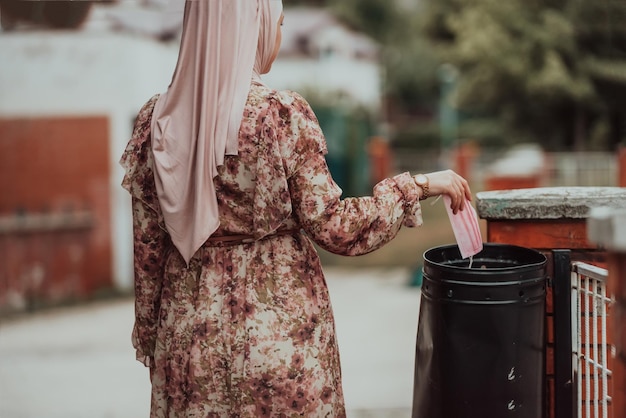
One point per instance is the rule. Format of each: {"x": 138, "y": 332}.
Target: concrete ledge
{"x": 547, "y": 202}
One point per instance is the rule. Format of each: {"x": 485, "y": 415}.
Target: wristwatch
{"x": 422, "y": 181}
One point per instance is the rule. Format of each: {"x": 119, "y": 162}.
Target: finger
{"x": 462, "y": 197}
{"x": 457, "y": 198}
{"x": 452, "y": 201}
{"x": 466, "y": 194}
{"x": 467, "y": 191}
{"x": 462, "y": 188}
{"x": 456, "y": 202}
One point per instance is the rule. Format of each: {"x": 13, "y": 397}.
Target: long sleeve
{"x": 350, "y": 226}
{"x": 150, "y": 240}
{"x": 150, "y": 245}
{"x": 354, "y": 225}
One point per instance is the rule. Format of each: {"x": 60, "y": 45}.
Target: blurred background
{"x": 511, "y": 94}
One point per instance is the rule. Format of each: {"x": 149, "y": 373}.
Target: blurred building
{"x": 68, "y": 99}
{"x": 320, "y": 55}
{"x": 67, "y": 104}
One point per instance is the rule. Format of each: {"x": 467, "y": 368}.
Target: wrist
{"x": 423, "y": 182}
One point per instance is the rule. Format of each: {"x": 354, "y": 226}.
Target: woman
{"x": 229, "y": 190}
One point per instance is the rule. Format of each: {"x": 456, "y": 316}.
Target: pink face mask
{"x": 466, "y": 229}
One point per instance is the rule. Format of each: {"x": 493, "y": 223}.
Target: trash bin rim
{"x": 490, "y": 271}
{"x": 526, "y": 283}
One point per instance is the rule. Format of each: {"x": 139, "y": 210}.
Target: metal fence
{"x": 590, "y": 341}
{"x": 561, "y": 169}
{"x": 582, "y": 169}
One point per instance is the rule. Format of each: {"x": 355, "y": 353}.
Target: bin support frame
{"x": 564, "y": 386}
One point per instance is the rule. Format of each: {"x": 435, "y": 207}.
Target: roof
{"x": 317, "y": 32}
{"x": 306, "y": 31}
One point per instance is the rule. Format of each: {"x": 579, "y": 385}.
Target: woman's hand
{"x": 450, "y": 183}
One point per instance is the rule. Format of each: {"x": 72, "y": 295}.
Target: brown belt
{"x": 238, "y": 239}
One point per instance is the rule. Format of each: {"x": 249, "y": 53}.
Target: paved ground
{"x": 78, "y": 362}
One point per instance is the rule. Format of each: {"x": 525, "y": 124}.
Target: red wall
{"x": 55, "y": 241}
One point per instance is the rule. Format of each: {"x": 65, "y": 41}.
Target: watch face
{"x": 421, "y": 179}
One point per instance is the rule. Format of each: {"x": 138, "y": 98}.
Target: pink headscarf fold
{"x": 196, "y": 122}
{"x": 271, "y": 12}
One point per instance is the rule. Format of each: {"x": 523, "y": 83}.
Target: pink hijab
{"x": 224, "y": 45}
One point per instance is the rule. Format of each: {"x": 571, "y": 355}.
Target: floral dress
{"x": 247, "y": 328}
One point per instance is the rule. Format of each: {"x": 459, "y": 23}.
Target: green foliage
{"x": 548, "y": 71}
{"x": 311, "y": 3}
{"x": 411, "y": 71}
{"x": 424, "y": 135}
{"x": 381, "y": 20}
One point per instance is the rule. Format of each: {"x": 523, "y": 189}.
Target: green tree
{"x": 409, "y": 66}
{"x": 311, "y": 3}
{"x": 537, "y": 66}
{"x": 381, "y": 20}
{"x": 600, "y": 31}
{"x": 549, "y": 71}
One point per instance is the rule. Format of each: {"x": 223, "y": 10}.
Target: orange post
{"x": 464, "y": 156}
{"x": 380, "y": 159}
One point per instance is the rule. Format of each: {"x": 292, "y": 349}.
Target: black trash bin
{"x": 480, "y": 338}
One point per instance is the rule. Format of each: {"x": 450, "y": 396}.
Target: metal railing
{"x": 590, "y": 344}
{"x": 586, "y": 169}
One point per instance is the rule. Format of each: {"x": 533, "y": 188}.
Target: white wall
{"x": 88, "y": 73}
{"x": 48, "y": 73}
{"x": 360, "y": 79}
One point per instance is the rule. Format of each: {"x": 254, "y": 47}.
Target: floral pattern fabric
{"x": 247, "y": 329}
